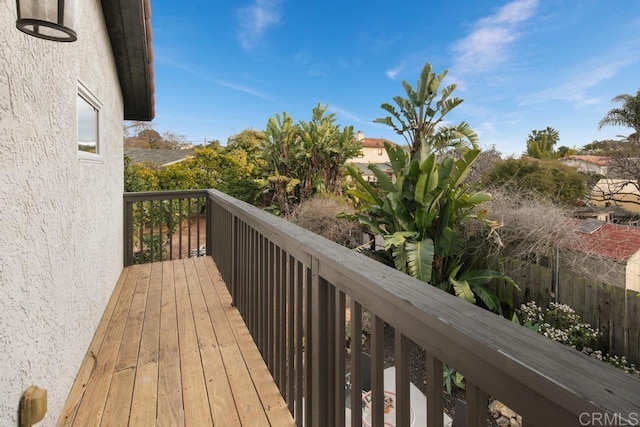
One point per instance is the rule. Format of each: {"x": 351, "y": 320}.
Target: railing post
{"x": 319, "y": 348}
{"x": 476, "y": 405}
{"x": 128, "y": 232}
{"x": 233, "y": 268}
{"x": 434, "y": 390}
{"x": 209, "y": 226}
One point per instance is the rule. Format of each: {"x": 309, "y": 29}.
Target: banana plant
{"x": 421, "y": 115}
{"x": 420, "y": 211}
{"x": 419, "y": 216}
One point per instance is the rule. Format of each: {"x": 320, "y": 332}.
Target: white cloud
{"x": 254, "y": 20}
{"x": 393, "y": 72}
{"x": 487, "y": 45}
{"x": 200, "y": 75}
{"x": 349, "y": 115}
{"x": 576, "y": 88}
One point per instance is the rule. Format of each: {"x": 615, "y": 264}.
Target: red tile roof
{"x": 375, "y": 142}
{"x": 619, "y": 242}
{"x": 596, "y": 160}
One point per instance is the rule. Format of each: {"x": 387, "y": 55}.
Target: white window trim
{"x": 95, "y": 102}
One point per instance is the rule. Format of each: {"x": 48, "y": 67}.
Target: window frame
{"x": 90, "y": 98}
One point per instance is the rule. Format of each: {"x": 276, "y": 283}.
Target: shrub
{"x": 562, "y": 324}
{"x": 560, "y": 183}
{"x": 319, "y": 215}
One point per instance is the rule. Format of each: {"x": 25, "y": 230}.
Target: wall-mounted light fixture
{"x": 48, "y": 19}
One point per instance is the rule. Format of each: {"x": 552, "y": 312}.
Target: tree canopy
{"x": 559, "y": 183}
{"x": 540, "y": 143}
{"x": 307, "y": 157}
{"x": 142, "y": 135}
{"x": 230, "y": 170}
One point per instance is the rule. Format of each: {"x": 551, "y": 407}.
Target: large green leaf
{"x": 462, "y": 290}
{"x": 489, "y": 299}
{"x": 463, "y": 167}
{"x": 450, "y": 242}
{"x": 428, "y": 164}
{"x": 420, "y": 259}
{"x": 399, "y": 255}
{"x": 402, "y": 215}
{"x": 384, "y": 182}
{"x": 397, "y": 157}
{"x": 362, "y": 196}
{"x": 371, "y": 223}
{"x": 397, "y": 239}
{"x": 422, "y": 83}
{"x": 445, "y": 170}
{"x": 364, "y": 185}
{"x": 477, "y": 198}
{"x": 482, "y": 277}
{"x": 421, "y": 189}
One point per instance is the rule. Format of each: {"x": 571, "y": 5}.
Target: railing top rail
{"x": 163, "y": 195}
{"x": 512, "y": 363}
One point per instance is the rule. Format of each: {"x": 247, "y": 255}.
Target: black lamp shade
{"x": 48, "y": 19}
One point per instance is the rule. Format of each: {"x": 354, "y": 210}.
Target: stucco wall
{"x": 60, "y": 218}
{"x": 616, "y": 192}
{"x": 585, "y": 167}
{"x": 370, "y": 155}
{"x": 633, "y": 273}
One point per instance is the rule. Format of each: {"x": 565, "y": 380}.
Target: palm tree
{"x": 540, "y": 143}
{"x": 628, "y": 115}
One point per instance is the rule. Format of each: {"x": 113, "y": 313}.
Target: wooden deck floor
{"x": 170, "y": 350}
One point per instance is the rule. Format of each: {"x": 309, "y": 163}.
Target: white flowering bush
{"x": 618, "y": 362}
{"x": 561, "y": 323}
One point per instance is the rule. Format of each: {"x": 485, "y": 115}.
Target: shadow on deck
{"x": 171, "y": 350}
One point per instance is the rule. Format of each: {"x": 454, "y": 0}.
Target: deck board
{"x": 194, "y": 389}
{"x": 170, "y": 350}
{"x": 145, "y": 388}
{"x": 275, "y": 407}
{"x": 170, "y": 406}
{"x": 91, "y": 409}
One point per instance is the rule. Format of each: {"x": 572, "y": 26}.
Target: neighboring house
{"x": 372, "y": 151}
{"x": 600, "y": 214}
{"x": 613, "y": 248}
{"x": 62, "y": 107}
{"x": 616, "y": 192}
{"x": 590, "y": 165}
{"x": 157, "y": 157}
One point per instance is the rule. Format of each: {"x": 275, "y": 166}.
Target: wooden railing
{"x": 160, "y": 226}
{"x": 295, "y": 290}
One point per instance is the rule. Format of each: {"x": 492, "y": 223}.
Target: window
{"x": 88, "y": 114}
{"x": 379, "y": 151}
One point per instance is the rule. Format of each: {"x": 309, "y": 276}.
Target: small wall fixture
{"x": 48, "y": 19}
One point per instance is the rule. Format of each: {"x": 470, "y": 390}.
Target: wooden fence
{"x": 610, "y": 309}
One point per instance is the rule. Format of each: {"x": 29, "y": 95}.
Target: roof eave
{"x": 129, "y": 26}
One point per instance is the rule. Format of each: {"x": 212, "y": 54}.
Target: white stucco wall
{"x": 60, "y": 218}
{"x": 372, "y": 155}
{"x": 585, "y": 167}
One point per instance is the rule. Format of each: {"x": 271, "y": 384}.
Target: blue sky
{"x": 222, "y": 67}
